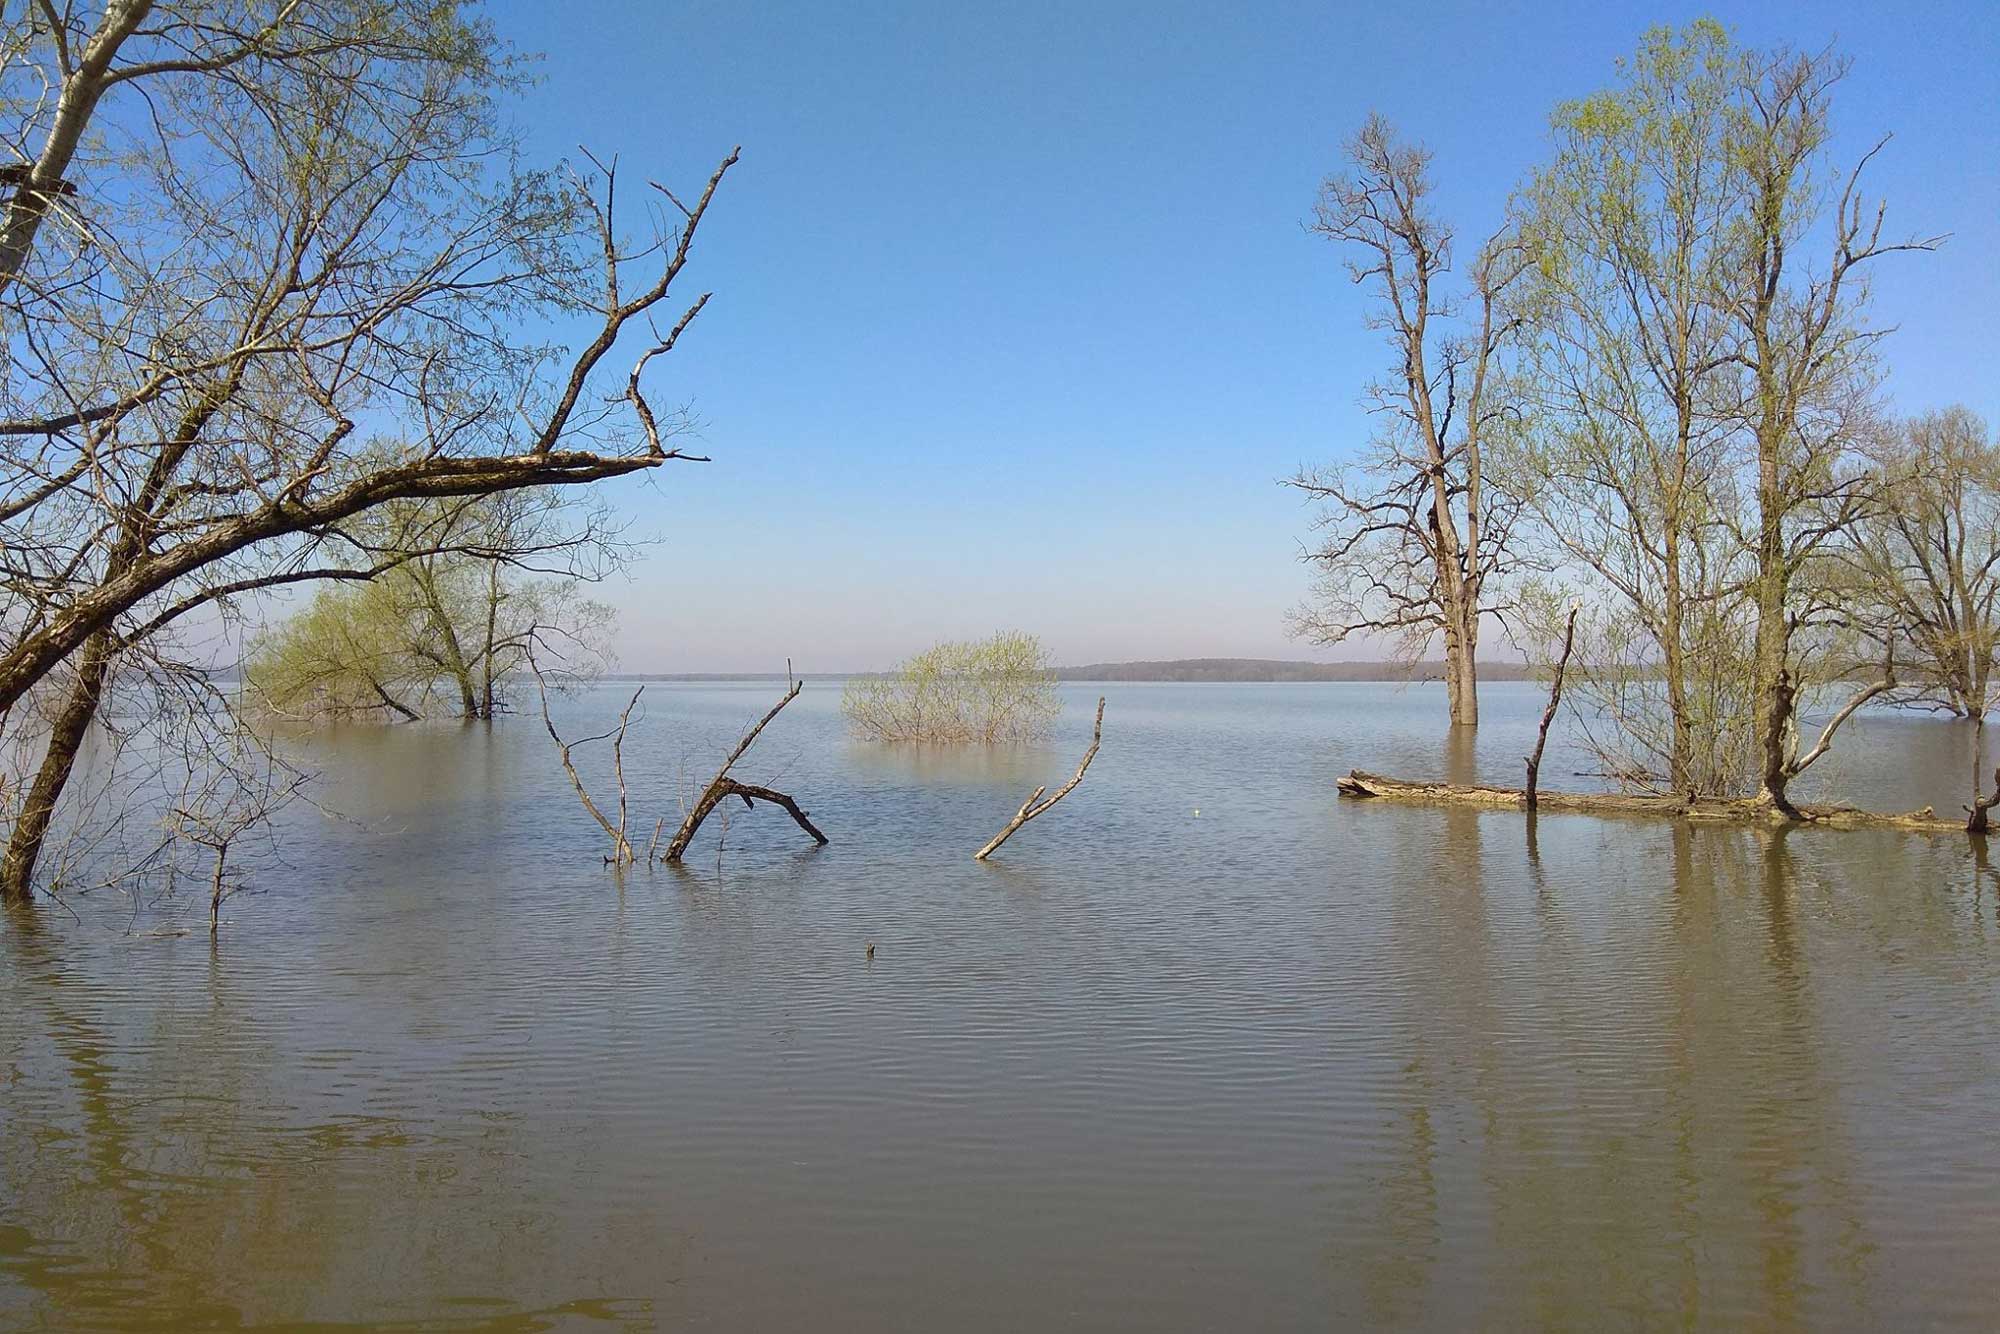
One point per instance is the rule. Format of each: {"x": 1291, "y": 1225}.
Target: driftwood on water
{"x": 1738, "y": 810}
{"x": 1034, "y": 805}
{"x": 722, "y": 787}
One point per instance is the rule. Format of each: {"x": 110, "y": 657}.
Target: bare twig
{"x": 621, "y": 847}
{"x": 1034, "y": 805}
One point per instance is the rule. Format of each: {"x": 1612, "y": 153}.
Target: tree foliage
{"x": 1926, "y": 561}
{"x": 443, "y": 636}
{"x": 972, "y": 692}
{"x": 448, "y": 628}
{"x": 1698, "y": 381}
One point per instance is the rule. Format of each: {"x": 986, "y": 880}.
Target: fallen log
{"x": 1733, "y": 810}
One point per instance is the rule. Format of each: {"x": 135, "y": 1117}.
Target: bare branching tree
{"x": 220, "y": 803}
{"x": 266, "y": 269}
{"x": 1414, "y": 537}
{"x": 712, "y": 799}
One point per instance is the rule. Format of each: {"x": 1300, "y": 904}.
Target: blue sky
{"x": 1015, "y": 322}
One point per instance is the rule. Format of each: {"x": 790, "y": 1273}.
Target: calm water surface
{"x": 1285, "y": 1063}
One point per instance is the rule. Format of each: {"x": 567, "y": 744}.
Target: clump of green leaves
{"x": 979, "y": 692}
{"x": 435, "y": 636}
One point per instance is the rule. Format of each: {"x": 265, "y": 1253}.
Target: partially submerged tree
{"x": 1414, "y": 537}
{"x": 447, "y": 630}
{"x": 260, "y": 275}
{"x": 1926, "y": 561}
{"x": 974, "y": 692}
{"x": 1627, "y": 459}
{"x": 621, "y": 845}
{"x": 1805, "y": 351}
{"x": 1702, "y": 397}
{"x": 725, "y": 785}
{"x": 719, "y": 789}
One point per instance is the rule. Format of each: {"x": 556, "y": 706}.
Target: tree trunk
{"x": 1680, "y": 760}
{"x": 1461, "y": 666}
{"x": 1776, "y": 693}
{"x": 1744, "y": 810}
{"x": 1549, "y": 712}
{"x": 29, "y": 207}
{"x": 492, "y": 627}
{"x": 72, "y": 722}
{"x": 1466, "y": 671}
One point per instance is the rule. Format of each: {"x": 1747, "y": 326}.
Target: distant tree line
{"x": 1271, "y": 669}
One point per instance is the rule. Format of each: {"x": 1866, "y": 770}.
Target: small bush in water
{"x": 978, "y": 692}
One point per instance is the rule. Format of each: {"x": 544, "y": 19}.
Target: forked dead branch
{"x": 621, "y": 846}
{"x": 721, "y": 787}
{"x": 1534, "y": 761}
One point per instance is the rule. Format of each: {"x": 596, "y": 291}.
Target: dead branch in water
{"x": 1555, "y": 699}
{"x": 1030, "y": 809}
{"x": 1739, "y": 810}
{"x": 621, "y": 847}
{"x": 1975, "y": 814}
{"x": 722, "y": 786}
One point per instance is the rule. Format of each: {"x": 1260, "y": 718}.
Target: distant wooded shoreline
{"x": 1178, "y": 669}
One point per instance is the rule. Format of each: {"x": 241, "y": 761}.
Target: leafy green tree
{"x": 441, "y": 632}
{"x": 1926, "y": 561}
{"x": 1626, "y": 452}
{"x": 1699, "y": 398}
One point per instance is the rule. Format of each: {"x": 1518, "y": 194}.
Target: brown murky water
{"x": 1284, "y": 1064}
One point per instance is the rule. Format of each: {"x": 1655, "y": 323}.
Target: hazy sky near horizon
{"x": 1015, "y": 321}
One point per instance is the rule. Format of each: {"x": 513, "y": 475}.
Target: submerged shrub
{"x": 974, "y": 692}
